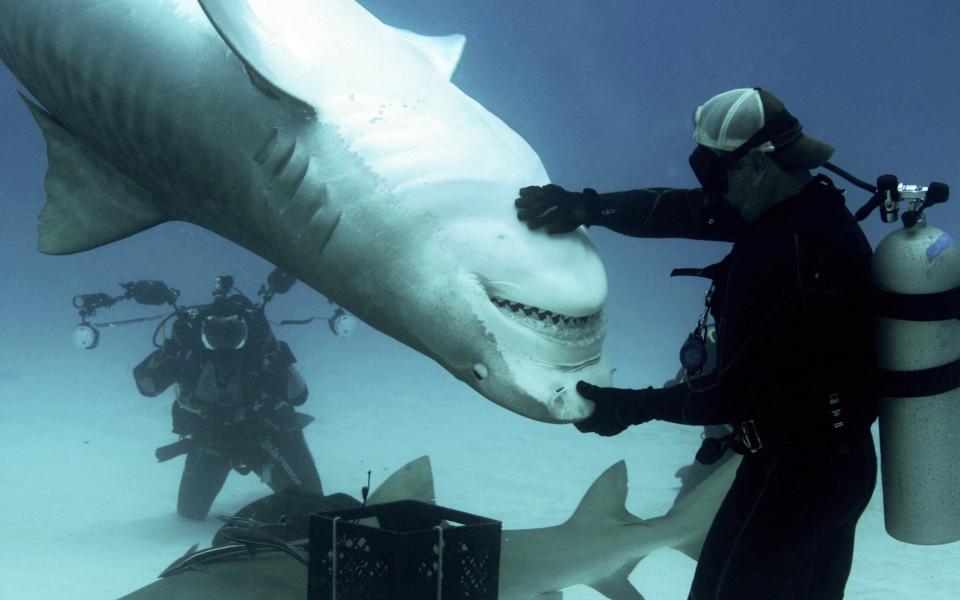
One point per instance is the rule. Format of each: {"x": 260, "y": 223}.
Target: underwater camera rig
{"x": 86, "y": 335}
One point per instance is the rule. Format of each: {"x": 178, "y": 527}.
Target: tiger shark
{"x": 598, "y": 546}
{"x": 333, "y": 146}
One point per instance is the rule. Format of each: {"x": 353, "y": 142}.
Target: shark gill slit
{"x": 296, "y": 208}
{"x": 264, "y": 153}
{"x": 305, "y": 214}
{"x": 282, "y": 164}
{"x": 299, "y": 209}
{"x": 296, "y": 180}
{"x": 284, "y": 170}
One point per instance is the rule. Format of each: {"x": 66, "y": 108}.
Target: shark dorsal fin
{"x": 442, "y": 51}
{"x": 617, "y": 586}
{"x": 412, "y": 481}
{"x": 255, "y": 43}
{"x": 89, "y": 202}
{"x": 606, "y": 499}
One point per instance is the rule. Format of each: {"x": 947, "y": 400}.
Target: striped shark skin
{"x": 330, "y": 144}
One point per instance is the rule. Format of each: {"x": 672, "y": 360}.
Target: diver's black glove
{"x": 616, "y": 409}
{"x": 554, "y": 207}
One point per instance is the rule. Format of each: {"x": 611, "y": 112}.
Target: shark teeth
{"x": 543, "y": 315}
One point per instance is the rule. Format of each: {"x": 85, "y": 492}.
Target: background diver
{"x": 795, "y": 345}
{"x": 236, "y": 389}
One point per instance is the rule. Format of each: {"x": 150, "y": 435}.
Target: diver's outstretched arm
{"x": 648, "y": 212}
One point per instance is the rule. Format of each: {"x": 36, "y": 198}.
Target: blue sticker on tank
{"x": 938, "y": 247}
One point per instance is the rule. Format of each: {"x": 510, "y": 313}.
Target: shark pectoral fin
{"x": 617, "y": 586}
{"x": 267, "y": 62}
{"x": 89, "y": 202}
{"x": 442, "y": 51}
{"x": 695, "y": 508}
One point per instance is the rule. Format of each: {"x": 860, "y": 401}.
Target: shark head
{"x": 515, "y": 314}
{"x": 437, "y": 256}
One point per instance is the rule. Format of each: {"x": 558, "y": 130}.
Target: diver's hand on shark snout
{"x": 553, "y": 207}
{"x": 616, "y": 409}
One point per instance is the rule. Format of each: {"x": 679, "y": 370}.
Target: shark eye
{"x": 480, "y": 371}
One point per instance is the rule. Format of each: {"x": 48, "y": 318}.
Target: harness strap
{"x": 940, "y": 306}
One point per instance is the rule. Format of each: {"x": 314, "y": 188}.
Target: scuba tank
{"x": 916, "y": 272}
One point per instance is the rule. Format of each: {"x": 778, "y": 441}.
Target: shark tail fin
{"x": 617, "y": 586}
{"x": 89, "y": 202}
{"x": 693, "y": 511}
{"x": 412, "y": 481}
{"x": 606, "y": 499}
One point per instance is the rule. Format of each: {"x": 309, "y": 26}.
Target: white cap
{"x": 726, "y": 121}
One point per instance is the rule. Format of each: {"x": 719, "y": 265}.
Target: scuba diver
{"x": 795, "y": 345}
{"x": 236, "y": 393}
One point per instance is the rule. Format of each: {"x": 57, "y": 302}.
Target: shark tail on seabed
{"x": 689, "y": 519}
{"x": 684, "y": 527}
{"x": 605, "y": 502}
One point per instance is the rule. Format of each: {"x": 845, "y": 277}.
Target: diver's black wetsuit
{"x": 795, "y": 343}
{"x": 234, "y": 409}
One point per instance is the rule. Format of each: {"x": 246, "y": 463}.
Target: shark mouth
{"x": 562, "y": 327}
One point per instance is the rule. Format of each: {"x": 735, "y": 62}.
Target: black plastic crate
{"x": 419, "y": 551}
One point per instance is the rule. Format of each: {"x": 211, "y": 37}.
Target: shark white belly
{"x": 331, "y": 145}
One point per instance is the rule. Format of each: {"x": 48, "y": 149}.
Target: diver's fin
{"x": 617, "y": 586}
{"x": 89, "y": 202}
{"x": 412, "y": 481}
{"x": 442, "y": 51}
{"x": 267, "y": 63}
{"x": 606, "y": 499}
